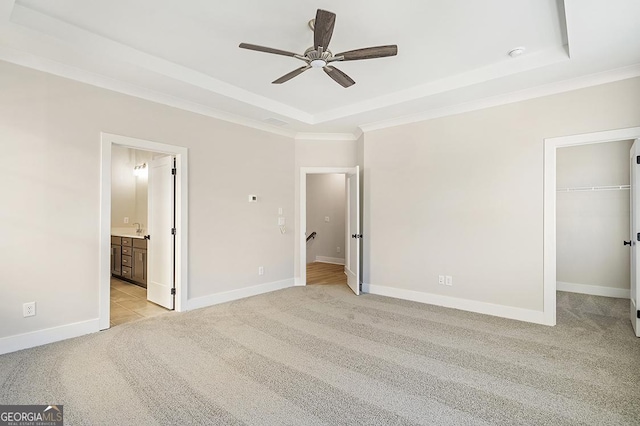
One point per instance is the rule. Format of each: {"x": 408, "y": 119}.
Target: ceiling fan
{"x": 319, "y": 56}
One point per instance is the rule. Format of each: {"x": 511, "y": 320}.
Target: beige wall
{"x": 591, "y": 225}
{"x": 326, "y": 198}
{"x": 49, "y": 217}
{"x": 463, "y": 195}
{"x": 129, "y": 193}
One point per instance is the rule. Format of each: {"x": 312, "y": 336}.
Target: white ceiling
{"x": 452, "y": 55}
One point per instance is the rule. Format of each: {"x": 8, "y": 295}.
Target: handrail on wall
{"x": 313, "y": 235}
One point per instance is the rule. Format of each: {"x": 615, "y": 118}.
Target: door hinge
{"x": 173, "y": 291}
{"x": 638, "y": 159}
{"x": 638, "y": 314}
{"x": 638, "y": 236}
{"x": 173, "y": 231}
{"x": 173, "y": 171}
{"x": 356, "y": 235}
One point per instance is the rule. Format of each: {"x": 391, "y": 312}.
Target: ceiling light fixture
{"x": 514, "y": 53}
{"x": 140, "y": 170}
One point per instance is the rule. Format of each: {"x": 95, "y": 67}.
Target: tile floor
{"x": 129, "y": 303}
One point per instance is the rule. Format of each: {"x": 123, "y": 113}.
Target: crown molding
{"x": 52, "y": 67}
{"x": 521, "y": 95}
{"x": 90, "y": 42}
{"x": 326, "y": 136}
{"x": 490, "y": 72}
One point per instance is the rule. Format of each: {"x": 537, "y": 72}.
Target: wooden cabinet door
{"x": 116, "y": 259}
{"x": 139, "y": 267}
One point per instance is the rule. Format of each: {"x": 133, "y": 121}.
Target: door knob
{"x": 627, "y": 243}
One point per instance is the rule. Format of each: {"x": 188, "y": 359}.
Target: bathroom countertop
{"x": 120, "y": 234}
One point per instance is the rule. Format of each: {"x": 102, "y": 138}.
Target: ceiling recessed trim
{"x": 508, "y": 98}
{"x": 480, "y": 75}
{"x": 90, "y": 42}
{"x": 61, "y": 70}
{"x": 326, "y": 136}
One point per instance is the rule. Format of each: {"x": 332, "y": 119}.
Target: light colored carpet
{"x": 319, "y": 355}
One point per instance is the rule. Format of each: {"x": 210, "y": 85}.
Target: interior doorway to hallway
{"x": 326, "y": 225}
{"x": 351, "y": 234}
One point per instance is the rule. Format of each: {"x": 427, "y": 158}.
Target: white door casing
{"x": 160, "y": 249}
{"x": 634, "y": 200}
{"x": 352, "y": 261}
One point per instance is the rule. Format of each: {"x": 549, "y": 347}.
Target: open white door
{"x": 352, "y": 261}
{"x": 160, "y": 282}
{"x": 635, "y": 233}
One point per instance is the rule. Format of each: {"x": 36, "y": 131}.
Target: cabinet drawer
{"x": 126, "y": 261}
{"x": 116, "y": 240}
{"x": 139, "y": 243}
{"x": 126, "y": 271}
{"x": 126, "y": 251}
{"x": 126, "y": 241}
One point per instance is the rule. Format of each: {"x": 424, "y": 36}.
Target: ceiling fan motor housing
{"x": 318, "y": 58}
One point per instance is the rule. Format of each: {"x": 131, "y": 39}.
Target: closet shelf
{"x": 596, "y": 188}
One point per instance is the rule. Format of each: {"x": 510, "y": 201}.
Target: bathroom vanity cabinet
{"x": 129, "y": 259}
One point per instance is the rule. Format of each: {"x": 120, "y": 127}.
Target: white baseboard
{"x": 334, "y": 260}
{"x": 503, "y": 311}
{"x": 595, "y": 290}
{"x": 228, "y": 296}
{"x": 48, "y": 335}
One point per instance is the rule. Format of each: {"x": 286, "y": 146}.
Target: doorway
{"x": 142, "y": 205}
{"x": 352, "y": 222}
{"x": 178, "y": 232}
{"x": 326, "y": 228}
{"x": 551, "y": 146}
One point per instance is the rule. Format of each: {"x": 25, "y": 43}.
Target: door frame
{"x": 182, "y": 215}
{"x": 304, "y": 171}
{"x": 549, "y": 220}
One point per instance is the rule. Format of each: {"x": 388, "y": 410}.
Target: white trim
{"x": 509, "y": 98}
{"x": 595, "y": 290}
{"x": 332, "y": 260}
{"x": 241, "y": 293}
{"x": 62, "y": 70}
{"x": 89, "y": 42}
{"x": 510, "y": 312}
{"x": 48, "y": 335}
{"x": 326, "y": 136}
{"x": 302, "y": 219}
{"x": 182, "y": 217}
{"x": 549, "y": 209}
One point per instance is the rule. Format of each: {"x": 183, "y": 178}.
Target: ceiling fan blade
{"x": 266, "y": 49}
{"x": 323, "y": 28}
{"x": 338, "y": 76}
{"x": 290, "y": 75}
{"x": 369, "y": 53}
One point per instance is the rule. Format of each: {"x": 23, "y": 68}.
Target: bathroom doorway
{"x": 148, "y": 263}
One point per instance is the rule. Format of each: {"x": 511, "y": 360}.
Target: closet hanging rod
{"x": 596, "y": 188}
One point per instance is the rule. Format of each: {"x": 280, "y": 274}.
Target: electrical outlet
{"x": 441, "y": 279}
{"x": 449, "y": 280}
{"x": 260, "y": 270}
{"x": 338, "y": 249}
{"x": 126, "y": 220}
{"x": 29, "y": 309}
{"x": 326, "y": 218}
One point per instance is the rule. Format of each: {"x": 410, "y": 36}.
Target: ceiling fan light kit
{"x": 319, "y": 56}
